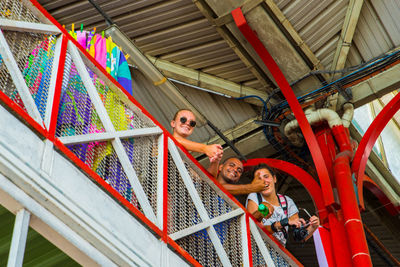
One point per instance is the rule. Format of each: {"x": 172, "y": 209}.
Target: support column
{"x": 352, "y": 219}
{"x": 18, "y": 242}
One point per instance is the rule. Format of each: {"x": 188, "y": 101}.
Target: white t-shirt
{"x": 278, "y": 214}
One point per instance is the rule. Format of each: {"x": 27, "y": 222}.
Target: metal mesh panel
{"x": 277, "y": 258}
{"x": 214, "y": 204}
{"x": 15, "y": 10}
{"x": 34, "y": 55}
{"x": 229, "y": 232}
{"x": 76, "y": 112}
{"x": 7, "y": 85}
{"x": 37, "y": 72}
{"x": 142, "y": 153}
{"x": 181, "y": 210}
{"x": 258, "y": 259}
{"x": 199, "y": 246}
{"x": 121, "y": 116}
{"x": 101, "y": 158}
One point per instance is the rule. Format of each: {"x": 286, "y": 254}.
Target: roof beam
{"x": 308, "y": 53}
{"x": 234, "y": 44}
{"x": 211, "y": 82}
{"x": 374, "y": 88}
{"x": 151, "y": 72}
{"x": 346, "y": 37}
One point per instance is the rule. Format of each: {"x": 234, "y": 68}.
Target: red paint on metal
{"x": 93, "y": 175}
{"x": 327, "y": 146}
{"x": 368, "y": 140}
{"x": 95, "y": 63}
{"x": 22, "y": 114}
{"x": 261, "y": 226}
{"x": 327, "y": 245}
{"x": 57, "y": 90}
{"x": 342, "y": 138}
{"x": 183, "y": 252}
{"x": 339, "y": 244}
{"x": 294, "y": 104}
{"x": 165, "y": 187}
{"x": 299, "y": 174}
{"x": 377, "y": 191}
{"x": 351, "y": 214}
{"x": 249, "y": 240}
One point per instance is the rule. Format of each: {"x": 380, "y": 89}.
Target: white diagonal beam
{"x": 346, "y": 37}
{"x": 260, "y": 244}
{"x": 52, "y": 84}
{"x": 160, "y": 181}
{"x": 23, "y": 26}
{"x": 203, "y": 225}
{"x": 245, "y": 240}
{"x": 18, "y": 242}
{"x": 116, "y": 143}
{"x": 187, "y": 180}
{"x": 99, "y": 137}
{"x": 18, "y": 79}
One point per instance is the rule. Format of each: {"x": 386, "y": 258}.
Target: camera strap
{"x": 283, "y": 202}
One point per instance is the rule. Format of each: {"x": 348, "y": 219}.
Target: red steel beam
{"x": 352, "y": 219}
{"x": 368, "y": 140}
{"x": 294, "y": 104}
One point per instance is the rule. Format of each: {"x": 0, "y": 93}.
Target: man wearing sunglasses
{"x": 183, "y": 125}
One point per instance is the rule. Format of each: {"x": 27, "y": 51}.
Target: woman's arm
{"x": 210, "y": 150}
{"x": 314, "y": 224}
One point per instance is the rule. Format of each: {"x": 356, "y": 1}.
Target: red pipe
{"x": 352, "y": 219}
{"x": 342, "y": 138}
{"x": 340, "y": 245}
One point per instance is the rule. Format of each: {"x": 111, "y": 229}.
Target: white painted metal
{"x": 204, "y": 225}
{"x": 70, "y": 203}
{"x": 160, "y": 181}
{"x": 197, "y": 202}
{"x": 18, "y": 242}
{"x": 23, "y": 26}
{"x": 52, "y": 85}
{"x": 48, "y": 157}
{"x": 260, "y": 244}
{"x": 118, "y": 147}
{"x": 18, "y": 79}
{"x": 245, "y": 240}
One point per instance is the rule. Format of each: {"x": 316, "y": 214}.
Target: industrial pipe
{"x": 313, "y": 117}
{"x": 352, "y": 219}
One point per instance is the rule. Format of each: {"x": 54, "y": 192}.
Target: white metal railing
{"x": 65, "y": 95}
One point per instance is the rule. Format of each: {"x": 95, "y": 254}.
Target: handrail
{"x": 118, "y": 144}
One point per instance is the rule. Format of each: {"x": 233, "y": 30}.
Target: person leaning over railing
{"x": 229, "y": 175}
{"x": 285, "y": 213}
{"x": 183, "y": 125}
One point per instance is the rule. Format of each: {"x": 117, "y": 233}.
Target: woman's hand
{"x": 314, "y": 222}
{"x": 214, "y": 150}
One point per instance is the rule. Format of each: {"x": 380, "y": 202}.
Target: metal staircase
{"x": 89, "y": 169}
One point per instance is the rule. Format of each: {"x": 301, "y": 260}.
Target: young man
{"x": 229, "y": 175}
{"x": 183, "y": 126}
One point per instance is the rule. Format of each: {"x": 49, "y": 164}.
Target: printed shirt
{"x": 278, "y": 214}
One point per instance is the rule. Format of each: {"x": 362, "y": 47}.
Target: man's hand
{"x": 258, "y": 184}
{"x": 214, "y": 150}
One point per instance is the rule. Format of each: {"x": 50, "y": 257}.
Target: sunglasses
{"x": 184, "y": 120}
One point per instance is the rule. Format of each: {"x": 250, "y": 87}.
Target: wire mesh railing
{"x": 105, "y": 129}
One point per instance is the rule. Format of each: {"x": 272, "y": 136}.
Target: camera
{"x": 299, "y": 234}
